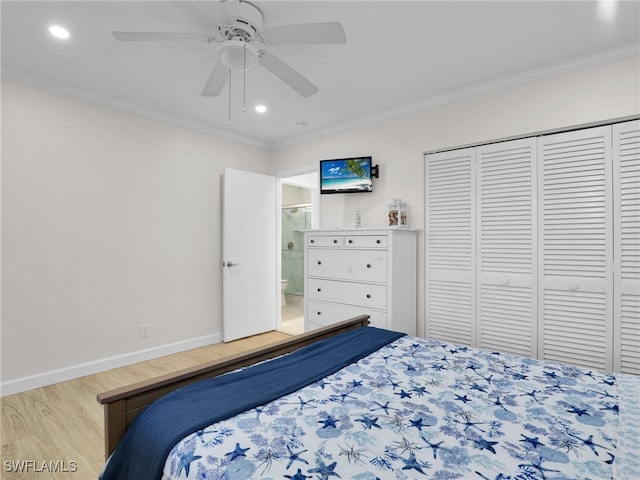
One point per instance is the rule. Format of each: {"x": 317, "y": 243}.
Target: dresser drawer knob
{"x": 335, "y": 241}
{"x": 368, "y": 295}
{"x": 368, "y": 265}
{"x": 319, "y": 262}
{"x": 319, "y": 289}
{"x": 319, "y": 313}
{"x": 350, "y": 241}
{"x": 378, "y": 241}
{"x": 312, "y": 241}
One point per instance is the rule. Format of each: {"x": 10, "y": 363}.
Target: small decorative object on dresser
{"x": 398, "y": 213}
{"x": 364, "y": 271}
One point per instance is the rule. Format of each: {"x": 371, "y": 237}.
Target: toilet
{"x": 283, "y": 287}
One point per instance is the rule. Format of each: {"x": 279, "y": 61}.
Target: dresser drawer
{"x": 324, "y": 240}
{"x": 361, "y": 294}
{"x": 320, "y": 314}
{"x": 356, "y": 265}
{"x": 365, "y": 241}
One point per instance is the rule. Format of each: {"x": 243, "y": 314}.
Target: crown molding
{"x": 502, "y": 83}
{"x": 60, "y": 89}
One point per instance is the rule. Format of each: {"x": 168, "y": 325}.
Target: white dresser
{"x": 361, "y": 271}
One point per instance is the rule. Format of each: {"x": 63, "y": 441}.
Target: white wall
{"x": 109, "y": 220}
{"x": 605, "y": 92}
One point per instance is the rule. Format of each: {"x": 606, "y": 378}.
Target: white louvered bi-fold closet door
{"x": 506, "y": 247}
{"x": 450, "y": 246}
{"x": 575, "y": 247}
{"x": 626, "y": 173}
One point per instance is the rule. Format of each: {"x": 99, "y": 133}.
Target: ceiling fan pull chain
{"x": 244, "y": 78}
{"x": 229, "y": 120}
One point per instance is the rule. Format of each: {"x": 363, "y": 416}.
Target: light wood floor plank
{"x": 63, "y": 422}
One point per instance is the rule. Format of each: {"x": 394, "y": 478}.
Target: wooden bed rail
{"x": 122, "y": 405}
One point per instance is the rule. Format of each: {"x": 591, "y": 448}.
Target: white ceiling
{"x": 400, "y": 56}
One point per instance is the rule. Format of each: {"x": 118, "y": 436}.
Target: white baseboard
{"x": 68, "y": 373}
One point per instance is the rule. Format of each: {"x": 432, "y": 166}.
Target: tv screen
{"x": 346, "y": 175}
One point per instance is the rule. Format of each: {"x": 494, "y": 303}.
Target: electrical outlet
{"x": 144, "y": 330}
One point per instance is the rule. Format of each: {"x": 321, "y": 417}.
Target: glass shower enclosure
{"x": 295, "y": 219}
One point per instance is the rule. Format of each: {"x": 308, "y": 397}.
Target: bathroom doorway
{"x": 298, "y": 213}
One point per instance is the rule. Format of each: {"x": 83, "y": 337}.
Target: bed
{"x": 363, "y": 403}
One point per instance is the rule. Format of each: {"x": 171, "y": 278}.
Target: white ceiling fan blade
{"x": 161, "y": 37}
{"x": 305, "y": 34}
{"x": 216, "y": 80}
{"x": 287, "y": 74}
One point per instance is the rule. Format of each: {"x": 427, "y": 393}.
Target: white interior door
{"x": 626, "y": 208}
{"x": 450, "y": 246}
{"x": 506, "y": 262}
{"x": 250, "y": 286}
{"x": 575, "y": 254}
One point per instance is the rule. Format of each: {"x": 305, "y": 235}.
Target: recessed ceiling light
{"x": 261, "y": 108}
{"x": 58, "y": 31}
{"x": 607, "y": 10}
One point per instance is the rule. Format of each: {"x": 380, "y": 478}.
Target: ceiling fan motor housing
{"x": 247, "y": 21}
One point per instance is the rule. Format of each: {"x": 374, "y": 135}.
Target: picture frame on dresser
{"x": 363, "y": 271}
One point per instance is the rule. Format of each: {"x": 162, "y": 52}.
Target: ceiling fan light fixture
{"x": 238, "y": 55}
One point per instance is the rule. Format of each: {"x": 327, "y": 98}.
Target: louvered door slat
{"x": 450, "y": 254}
{"x": 629, "y": 360}
{"x": 506, "y": 318}
{"x": 574, "y": 247}
{"x": 450, "y": 311}
{"x": 506, "y": 267}
{"x": 626, "y": 171}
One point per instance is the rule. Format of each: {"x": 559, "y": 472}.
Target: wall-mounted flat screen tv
{"x": 347, "y": 175}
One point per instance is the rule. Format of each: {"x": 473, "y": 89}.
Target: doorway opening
{"x": 298, "y": 213}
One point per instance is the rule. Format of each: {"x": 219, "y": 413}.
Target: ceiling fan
{"x": 242, "y": 41}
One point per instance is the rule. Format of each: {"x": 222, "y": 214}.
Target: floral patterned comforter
{"x": 425, "y": 409}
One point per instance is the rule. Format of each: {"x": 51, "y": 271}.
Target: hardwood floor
{"x": 57, "y": 431}
{"x": 292, "y": 315}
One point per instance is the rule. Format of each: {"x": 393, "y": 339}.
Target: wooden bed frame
{"x": 122, "y": 405}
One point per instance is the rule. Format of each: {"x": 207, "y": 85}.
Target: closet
{"x": 532, "y": 246}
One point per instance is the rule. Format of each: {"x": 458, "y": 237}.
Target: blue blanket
{"x": 144, "y": 448}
